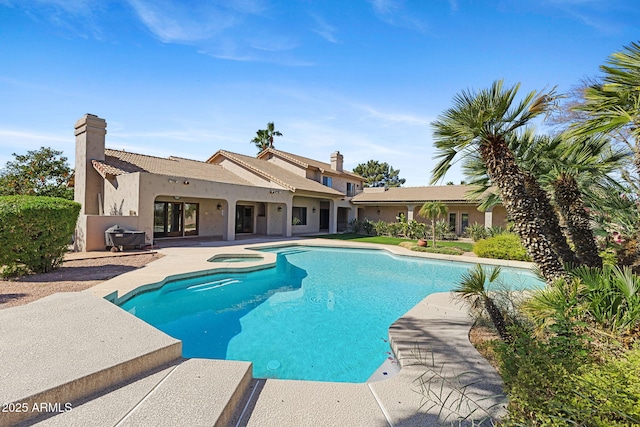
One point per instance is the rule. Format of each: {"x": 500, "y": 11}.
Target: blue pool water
{"x": 321, "y": 314}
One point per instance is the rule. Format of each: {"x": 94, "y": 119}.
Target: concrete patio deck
{"x": 60, "y": 349}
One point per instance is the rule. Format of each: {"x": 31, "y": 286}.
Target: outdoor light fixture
{"x": 186, "y": 183}
{"x": 378, "y": 211}
{"x": 176, "y": 197}
{"x": 219, "y": 206}
{"x": 279, "y": 208}
{"x": 313, "y": 210}
{"x": 171, "y": 180}
{"x": 274, "y": 191}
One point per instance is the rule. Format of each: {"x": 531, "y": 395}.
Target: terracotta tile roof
{"x": 122, "y": 162}
{"x": 443, "y": 193}
{"x": 277, "y": 174}
{"x": 306, "y": 163}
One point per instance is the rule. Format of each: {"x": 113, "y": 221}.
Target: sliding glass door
{"x": 175, "y": 219}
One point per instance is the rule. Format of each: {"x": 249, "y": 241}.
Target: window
{"x": 299, "y": 216}
{"x": 326, "y": 180}
{"x": 452, "y": 221}
{"x": 464, "y": 222}
{"x": 351, "y": 189}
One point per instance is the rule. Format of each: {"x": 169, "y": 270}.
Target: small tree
{"x": 472, "y": 289}
{"x": 43, "y": 172}
{"x": 264, "y": 137}
{"x": 378, "y": 174}
{"x": 432, "y": 211}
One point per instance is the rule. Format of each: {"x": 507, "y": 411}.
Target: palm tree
{"x": 566, "y": 167}
{"x": 614, "y": 103}
{"x": 432, "y": 211}
{"x": 531, "y": 155}
{"x": 471, "y": 288}
{"x": 582, "y": 163}
{"x": 481, "y": 122}
{"x": 264, "y": 137}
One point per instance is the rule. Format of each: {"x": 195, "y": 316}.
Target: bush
{"x": 35, "y": 232}
{"x": 441, "y": 250}
{"x": 502, "y": 246}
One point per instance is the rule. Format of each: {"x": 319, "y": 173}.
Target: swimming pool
{"x": 320, "y": 314}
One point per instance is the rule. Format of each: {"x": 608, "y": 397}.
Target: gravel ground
{"x": 73, "y": 276}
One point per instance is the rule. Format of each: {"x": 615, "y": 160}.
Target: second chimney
{"x": 336, "y": 161}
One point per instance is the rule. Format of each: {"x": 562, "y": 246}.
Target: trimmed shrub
{"x": 502, "y": 246}
{"x": 35, "y": 232}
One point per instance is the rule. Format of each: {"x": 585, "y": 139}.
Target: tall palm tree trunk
{"x": 549, "y": 221}
{"x": 569, "y": 201}
{"x": 504, "y": 172}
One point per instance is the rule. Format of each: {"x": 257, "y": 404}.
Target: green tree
{"x": 43, "y": 172}
{"x": 433, "y": 211}
{"x": 264, "y": 137}
{"x": 378, "y": 174}
{"x": 481, "y": 123}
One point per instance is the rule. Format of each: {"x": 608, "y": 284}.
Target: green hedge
{"x": 502, "y": 246}
{"x": 35, "y": 232}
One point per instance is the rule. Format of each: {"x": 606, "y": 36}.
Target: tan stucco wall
{"x": 499, "y": 216}
{"x": 90, "y": 230}
{"x": 387, "y": 213}
{"x": 340, "y": 183}
{"x": 313, "y": 218}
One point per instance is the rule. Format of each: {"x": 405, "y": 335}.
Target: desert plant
{"x": 477, "y": 232}
{"x": 35, "y": 232}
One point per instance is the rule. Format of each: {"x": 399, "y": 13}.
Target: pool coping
{"x": 432, "y": 337}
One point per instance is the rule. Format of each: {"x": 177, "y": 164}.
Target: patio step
{"x": 197, "y": 392}
{"x": 68, "y": 346}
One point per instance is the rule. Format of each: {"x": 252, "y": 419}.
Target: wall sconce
{"x": 171, "y": 180}
{"x": 219, "y": 206}
{"x": 378, "y": 211}
{"x": 186, "y": 183}
{"x": 176, "y": 197}
{"x": 313, "y": 210}
{"x": 279, "y": 208}
{"x": 274, "y": 191}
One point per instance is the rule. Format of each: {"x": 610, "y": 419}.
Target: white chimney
{"x": 336, "y": 161}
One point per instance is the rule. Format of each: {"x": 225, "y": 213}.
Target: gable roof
{"x": 275, "y": 173}
{"x": 118, "y": 162}
{"x": 307, "y": 163}
{"x": 442, "y": 193}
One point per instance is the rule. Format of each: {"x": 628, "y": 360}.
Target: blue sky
{"x": 363, "y": 77}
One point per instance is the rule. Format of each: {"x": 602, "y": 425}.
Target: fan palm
{"x": 481, "y": 122}
{"x": 472, "y": 289}
{"x": 264, "y": 137}
{"x": 614, "y": 104}
{"x": 566, "y": 167}
{"x": 432, "y": 211}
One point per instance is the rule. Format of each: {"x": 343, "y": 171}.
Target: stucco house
{"x": 274, "y": 194}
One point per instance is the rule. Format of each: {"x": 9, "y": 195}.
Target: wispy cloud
{"x": 395, "y": 117}
{"x": 77, "y": 18}
{"x": 324, "y": 30}
{"x": 393, "y": 13}
{"x": 172, "y": 21}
